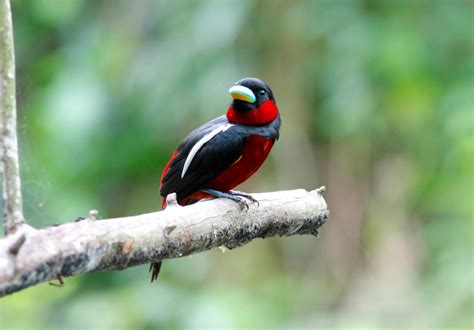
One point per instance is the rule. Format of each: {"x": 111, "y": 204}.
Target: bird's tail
{"x": 155, "y": 268}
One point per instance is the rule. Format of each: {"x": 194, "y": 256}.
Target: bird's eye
{"x": 262, "y": 92}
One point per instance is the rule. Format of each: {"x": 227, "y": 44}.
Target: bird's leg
{"x": 228, "y": 195}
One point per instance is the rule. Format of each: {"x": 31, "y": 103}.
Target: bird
{"x": 224, "y": 152}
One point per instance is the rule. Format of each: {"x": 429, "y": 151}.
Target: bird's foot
{"x": 235, "y": 196}
{"x": 245, "y": 195}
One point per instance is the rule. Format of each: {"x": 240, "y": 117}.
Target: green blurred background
{"x": 377, "y": 104}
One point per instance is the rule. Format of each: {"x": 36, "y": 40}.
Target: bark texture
{"x": 9, "y": 165}
{"x": 30, "y": 256}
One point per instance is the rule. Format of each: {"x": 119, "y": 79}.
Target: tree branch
{"x": 9, "y": 166}
{"x": 30, "y": 256}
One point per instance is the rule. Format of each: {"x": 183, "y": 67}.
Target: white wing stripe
{"x": 206, "y": 138}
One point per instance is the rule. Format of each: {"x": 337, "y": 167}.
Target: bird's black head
{"x": 249, "y": 94}
{"x": 253, "y": 103}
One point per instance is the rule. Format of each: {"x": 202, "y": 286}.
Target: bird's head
{"x": 253, "y": 103}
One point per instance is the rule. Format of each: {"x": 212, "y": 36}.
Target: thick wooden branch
{"x": 9, "y": 164}
{"x": 30, "y": 256}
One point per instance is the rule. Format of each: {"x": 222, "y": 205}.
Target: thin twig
{"x": 12, "y": 199}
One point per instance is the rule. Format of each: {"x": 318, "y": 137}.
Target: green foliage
{"x": 377, "y": 104}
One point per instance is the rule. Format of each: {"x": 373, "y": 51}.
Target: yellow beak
{"x": 239, "y": 92}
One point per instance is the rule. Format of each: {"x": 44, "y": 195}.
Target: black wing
{"x": 212, "y": 159}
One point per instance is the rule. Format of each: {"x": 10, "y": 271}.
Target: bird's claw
{"x": 242, "y": 203}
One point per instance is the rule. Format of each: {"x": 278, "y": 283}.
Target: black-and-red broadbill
{"x": 223, "y": 153}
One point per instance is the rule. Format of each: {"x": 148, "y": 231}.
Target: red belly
{"x": 255, "y": 152}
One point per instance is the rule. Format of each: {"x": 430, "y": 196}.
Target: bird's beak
{"x": 242, "y": 93}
